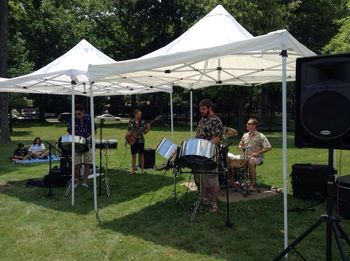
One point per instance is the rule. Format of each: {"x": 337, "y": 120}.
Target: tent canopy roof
{"x": 57, "y": 77}
{"x": 217, "y": 50}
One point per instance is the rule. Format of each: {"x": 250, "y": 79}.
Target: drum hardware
{"x": 237, "y": 167}
{"x": 222, "y": 169}
{"x": 170, "y": 151}
{"x": 105, "y": 145}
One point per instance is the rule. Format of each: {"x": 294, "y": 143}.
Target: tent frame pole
{"x": 171, "y": 117}
{"x": 191, "y": 113}
{"x": 93, "y": 149}
{"x": 73, "y": 83}
{"x": 284, "y": 55}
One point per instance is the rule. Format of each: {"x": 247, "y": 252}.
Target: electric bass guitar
{"x": 132, "y": 135}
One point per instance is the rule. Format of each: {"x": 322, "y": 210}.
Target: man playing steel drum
{"x": 83, "y": 129}
{"x": 209, "y": 128}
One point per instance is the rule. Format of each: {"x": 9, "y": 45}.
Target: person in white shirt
{"x": 37, "y": 149}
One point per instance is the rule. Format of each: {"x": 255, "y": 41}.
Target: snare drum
{"x": 112, "y": 144}
{"x": 235, "y": 161}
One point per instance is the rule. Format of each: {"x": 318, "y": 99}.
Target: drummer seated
{"x": 38, "y": 150}
{"x": 253, "y": 145}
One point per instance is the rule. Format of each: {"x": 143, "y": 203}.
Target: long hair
{"x": 37, "y": 138}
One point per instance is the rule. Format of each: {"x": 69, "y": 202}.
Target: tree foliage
{"x": 40, "y": 31}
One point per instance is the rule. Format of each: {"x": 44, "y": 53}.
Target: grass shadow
{"x": 168, "y": 225}
{"x": 123, "y": 188}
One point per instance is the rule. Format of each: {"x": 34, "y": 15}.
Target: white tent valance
{"x": 215, "y": 51}
{"x": 71, "y": 68}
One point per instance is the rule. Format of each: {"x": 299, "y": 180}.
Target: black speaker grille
{"x": 325, "y": 115}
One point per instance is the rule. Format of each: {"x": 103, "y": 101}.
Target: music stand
{"x": 331, "y": 221}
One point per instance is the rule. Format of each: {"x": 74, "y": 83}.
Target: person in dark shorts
{"x": 83, "y": 129}
{"x": 209, "y": 128}
{"x": 135, "y": 137}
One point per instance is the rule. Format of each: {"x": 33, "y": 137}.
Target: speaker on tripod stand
{"x": 322, "y": 121}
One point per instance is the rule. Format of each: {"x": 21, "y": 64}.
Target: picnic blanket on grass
{"x": 33, "y": 161}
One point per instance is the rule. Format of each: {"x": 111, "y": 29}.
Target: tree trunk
{"x": 4, "y": 123}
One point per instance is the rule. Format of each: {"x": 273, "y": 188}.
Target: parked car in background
{"x": 107, "y": 117}
{"x": 64, "y": 117}
{"x": 49, "y": 115}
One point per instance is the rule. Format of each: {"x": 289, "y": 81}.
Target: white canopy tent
{"x": 217, "y": 50}
{"x": 67, "y": 75}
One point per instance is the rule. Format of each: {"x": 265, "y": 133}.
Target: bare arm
{"x": 215, "y": 140}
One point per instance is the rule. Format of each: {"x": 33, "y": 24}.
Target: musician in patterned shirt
{"x": 254, "y": 144}
{"x": 138, "y": 127}
{"x": 209, "y": 128}
{"x": 83, "y": 129}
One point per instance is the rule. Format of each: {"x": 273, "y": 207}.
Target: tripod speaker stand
{"x": 332, "y": 222}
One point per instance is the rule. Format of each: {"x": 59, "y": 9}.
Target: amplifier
{"x": 343, "y": 196}
{"x": 150, "y": 158}
{"x": 309, "y": 181}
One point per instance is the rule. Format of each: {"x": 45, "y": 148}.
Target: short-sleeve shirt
{"x": 20, "y": 152}
{"x": 82, "y": 127}
{"x": 209, "y": 127}
{"x": 37, "y": 147}
{"x": 254, "y": 142}
{"x": 133, "y": 126}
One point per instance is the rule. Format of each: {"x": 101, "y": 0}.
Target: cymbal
{"x": 229, "y": 132}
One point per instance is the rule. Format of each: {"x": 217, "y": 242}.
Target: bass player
{"x": 135, "y": 136}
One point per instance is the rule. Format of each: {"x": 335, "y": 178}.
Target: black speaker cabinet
{"x": 343, "y": 196}
{"x": 150, "y": 158}
{"x": 309, "y": 181}
{"x": 323, "y": 102}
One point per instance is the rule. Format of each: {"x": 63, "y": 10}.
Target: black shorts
{"x": 137, "y": 148}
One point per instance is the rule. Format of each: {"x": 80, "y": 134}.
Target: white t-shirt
{"x": 37, "y": 147}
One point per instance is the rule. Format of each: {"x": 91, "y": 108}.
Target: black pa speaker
{"x": 323, "y": 102}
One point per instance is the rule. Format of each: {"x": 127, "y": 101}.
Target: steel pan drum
{"x": 198, "y": 154}
{"x": 106, "y": 144}
{"x": 65, "y": 143}
{"x": 101, "y": 144}
{"x": 166, "y": 149}
{"x": 112, "y": 144}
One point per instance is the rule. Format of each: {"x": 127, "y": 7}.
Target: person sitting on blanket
{"x": 21, "y": 153}
{"x": 38, "y": 150}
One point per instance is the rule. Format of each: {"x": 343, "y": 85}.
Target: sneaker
{"x": 85, "y": 185}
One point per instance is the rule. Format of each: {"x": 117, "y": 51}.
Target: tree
{"x": 5, "y": 130}
{"x": 314, "y": 23}
{"x": 340, "y": 43}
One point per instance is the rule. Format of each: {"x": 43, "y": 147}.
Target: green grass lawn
{"x": 134, "y": 224}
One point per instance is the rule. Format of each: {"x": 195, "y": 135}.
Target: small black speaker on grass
{"x": 150, "y": 158}
{"x": 323, "y": 102}
{"x": 309, "y": 181}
